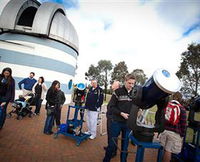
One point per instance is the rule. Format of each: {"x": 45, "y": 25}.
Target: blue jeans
{"x": 115, "y": 129}
{"x": 3, "y": 115}
{"x": 49, "y": 123}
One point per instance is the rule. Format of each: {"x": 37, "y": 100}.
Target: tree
{"x": 139, "y": 76}
{"x": 189, "y": 72}
{"x": 101, "y": 72}
{"x": 104, "y": 67}
{"x": 92, "y": 72}
{"x": 119, "y": 72}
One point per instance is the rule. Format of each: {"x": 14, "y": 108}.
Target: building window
{"x": 27, "y": 17}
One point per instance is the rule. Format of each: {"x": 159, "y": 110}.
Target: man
{"x": 28, "y": 84}
{"x": 93, "y": 103}
{"x": 120, "y": 105}
{"x": 115, "y": 85}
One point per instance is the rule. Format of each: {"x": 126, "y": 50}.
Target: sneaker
{"x": 92, "y": 137}
{"x": 88, "y": 132}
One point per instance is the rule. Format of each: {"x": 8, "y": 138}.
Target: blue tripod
{"x": 73, "y": 127}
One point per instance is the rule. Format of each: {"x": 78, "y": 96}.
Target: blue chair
{"x": 141, "y": 147}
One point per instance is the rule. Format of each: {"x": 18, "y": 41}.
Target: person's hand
{"x": 124, "y": 115}
{"x": 3, "y": 103}
{"x": 98, "y": 109}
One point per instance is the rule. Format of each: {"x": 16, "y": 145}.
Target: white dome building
{"x": 38, "y": 38}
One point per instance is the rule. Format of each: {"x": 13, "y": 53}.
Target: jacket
{"x": 52, "y": 97}
{"x": 121, "y": 101}
{"x": 28, "y": 83}
{"x": 8, "y": 92}
{"x": 44, "y": 89}
{"x": 61, "y": 97}
{"x": 94, "y": 98}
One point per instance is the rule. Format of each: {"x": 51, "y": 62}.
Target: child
{"x": 174, "y": 127}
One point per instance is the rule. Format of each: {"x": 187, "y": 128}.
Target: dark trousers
{"x": 58, "y": 115}
{"x": 79, "y": 104}
{"x": 38, "y": 102}
{"x": 109, "y": 121}
{"x": 116, "y": 128}
{"x": 3, "y": 115}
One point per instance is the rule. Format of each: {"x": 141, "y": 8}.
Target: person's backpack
{"x": 172, "y": 112}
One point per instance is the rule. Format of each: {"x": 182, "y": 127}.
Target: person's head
{"x": 41, "y": 80}
{"x": 129, "y": 81}
{"x": 94, "y": 83}
{"x": 55, "y": 85}
{"x": 7, "y": 73}
{"x": 177, "y": 96}
{"x": 32, "y": 74}
{"x": 115, "y": 85}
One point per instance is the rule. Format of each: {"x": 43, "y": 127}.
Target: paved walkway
{"x": 24, "y": 141}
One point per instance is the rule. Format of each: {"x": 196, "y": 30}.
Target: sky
{"x": 146, "y": 34}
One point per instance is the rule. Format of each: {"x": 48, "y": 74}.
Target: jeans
{"x": 116, "y": 128}
{"x": 109, "y": 122}
{"x": 49, "y": 123}
{"x": 3, "y": 115}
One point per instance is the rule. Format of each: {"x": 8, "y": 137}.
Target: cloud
{"x": 68, "y": 4}
{"x": 146, "y": 35}
{"x": 193, "y": 28}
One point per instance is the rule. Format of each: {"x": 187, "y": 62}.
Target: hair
{"x": 177, "y": 96}
{"x": 32, "y": 73}
{"x": 10, "y": 78}
{"x": 129, "y": 76}
{"x": 54, "y": 84}
{"x": 95, "y": 80}
{"x": 42, "y": 78}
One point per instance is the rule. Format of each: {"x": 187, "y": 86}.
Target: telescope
{"x": 154, "y": 92}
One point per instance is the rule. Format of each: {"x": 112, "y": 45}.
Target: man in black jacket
{"x": 94, "y": 100}
{"x": 120, "y": 105}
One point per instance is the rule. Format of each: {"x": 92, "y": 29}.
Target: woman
{"x": 39, "y": 90}
{"x": 7, "y": 92}
{"x": 52, "y": 104}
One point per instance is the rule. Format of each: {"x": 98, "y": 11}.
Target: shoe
{"x": 38, "y": 114}
{"x": 34, "y": 114}
{"x": 88, "y": 133}
{"x": 48, "y": 133}
{"x": 92, "y": 137}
